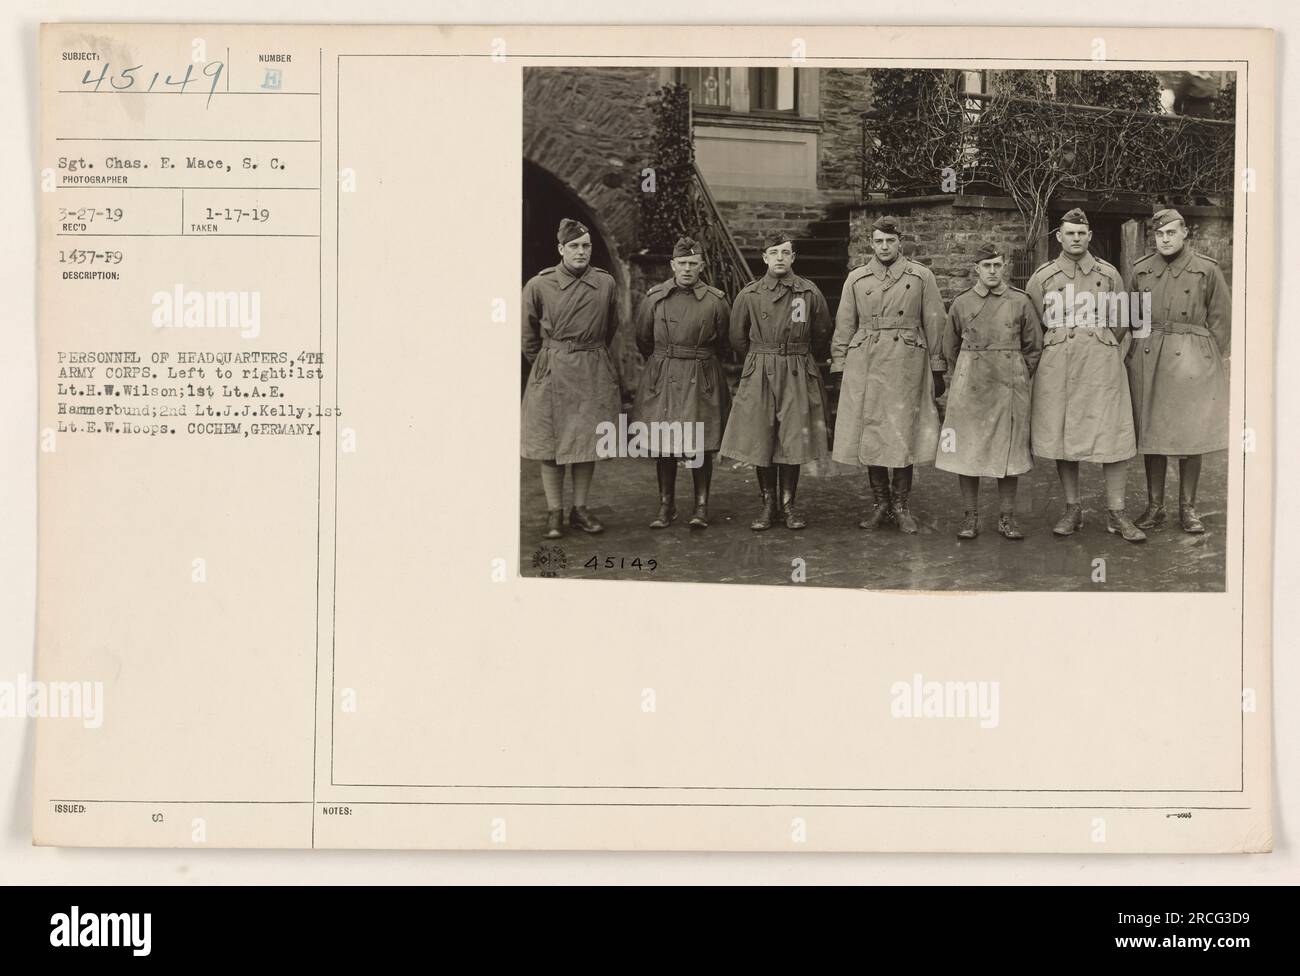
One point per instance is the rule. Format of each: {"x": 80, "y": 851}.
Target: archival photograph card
{"x": 673, "y": 438}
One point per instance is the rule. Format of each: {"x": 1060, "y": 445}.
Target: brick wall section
{"x": 845, "y": 95}
{"x": 749, "y": 221}
{"x": 592, "y": 130}
{"x": 940, "y": 236}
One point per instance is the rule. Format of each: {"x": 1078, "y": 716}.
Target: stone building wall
{"x": 647, "y": 270}
{"x": 845, "y": 95}
{"x": 941, "y": 235}
{"x": 750, "y": 220}
{"x": 592, "y": 130}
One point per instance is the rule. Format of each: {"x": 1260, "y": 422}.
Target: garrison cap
{"x": 988, "y": 251}
{"x": 685, "y": 247}
{"x": 1166, "y": 216}
{"x": 1075, "y": 216}
{"x": 887, "y": 225}
{"x": 570, "y": 230}
{"x": 775, "y": 238}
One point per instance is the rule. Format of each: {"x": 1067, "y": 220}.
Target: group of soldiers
{"x": 1061, "y": 370}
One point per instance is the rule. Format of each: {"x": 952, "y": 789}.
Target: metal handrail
{"x": 727, "y": 263}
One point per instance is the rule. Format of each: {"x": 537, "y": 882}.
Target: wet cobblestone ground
{"x": 837, "y": 553}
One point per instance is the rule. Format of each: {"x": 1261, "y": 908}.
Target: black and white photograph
{"x": 373, "y": 366}
{"x": 885, "y": 328}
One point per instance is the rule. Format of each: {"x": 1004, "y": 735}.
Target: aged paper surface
{"x": 285, "y": 543}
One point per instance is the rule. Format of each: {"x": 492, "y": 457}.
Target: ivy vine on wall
{"x": 665, "y": 191}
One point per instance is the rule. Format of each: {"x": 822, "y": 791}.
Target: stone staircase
{"x": 822, "y": 256}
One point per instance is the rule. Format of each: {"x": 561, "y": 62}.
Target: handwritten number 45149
{"x": 126, "y": 78}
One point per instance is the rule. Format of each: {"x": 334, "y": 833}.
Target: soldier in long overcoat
{"x": 779, "y": 418}
{"x": 681, "y": 327}
{"x": 991, "y": 346}
{"x": 886, "y": 346}
{"x": 1176, "y": 373}
{"x": 570, "y": 316}
{"x": 1080, "y": 407}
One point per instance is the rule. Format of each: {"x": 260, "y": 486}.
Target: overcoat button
{"x": 895, "y": 338}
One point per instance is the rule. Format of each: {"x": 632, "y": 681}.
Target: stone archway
{"x": 546, "y": 200}
{"x": 585, "y": 141}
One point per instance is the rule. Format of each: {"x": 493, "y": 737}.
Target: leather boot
{"x": 554, "y": 523}
{"x": 901, "y": 489}
{"x": 1152, "y": 517}
{"x": 880, "y": 499}
{"x": 1118, "y": 522}
{"x": 1007, "y": 526}
{"x": 767, "y": 489}
{"x": 788, "y": 479}
{"x": 580, "y": 518}
{"x": 666, "y": 474}
{"x": 1071, "y": 520}
{"x": 970, "y": 526}
{"x": 702, "y": 477}
{"x": 1189, "y": 519}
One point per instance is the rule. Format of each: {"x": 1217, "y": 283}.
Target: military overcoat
{"x": 681, "y": 332}
{"x": 886, "y": 343}
{"x": 991, "y": 346}
{"x": 1081, "y": 410}
{"x": 568, "y": 323}
{"x": 779, "y": 415}
{"x": 1176, "y": 374}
